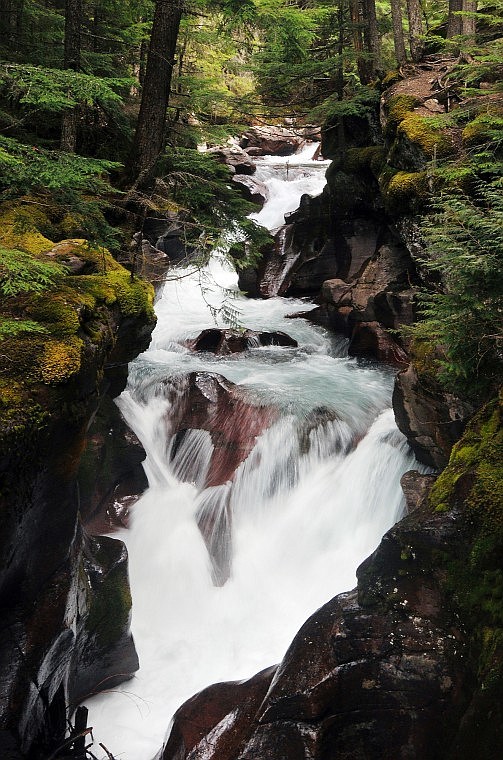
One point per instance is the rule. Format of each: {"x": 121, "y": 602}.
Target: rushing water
{"x": 310, "y": 502}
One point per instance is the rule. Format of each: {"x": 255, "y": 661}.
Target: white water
{"x": 308, "y": 504}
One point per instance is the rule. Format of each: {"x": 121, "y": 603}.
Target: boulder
{"x": 210, "y": 402}
{"x": 431, "y": 418}
{"x": 376, "y": 672}
{"x": 251, "y": 189}
{"x": 226, "y": 706}
{"x": 233, "y": 341}
{"x": 369, "y": 340}
{"x": 274, "y": 141}
{"x": 235, "y": 158}
{"x": 111, "y": 477}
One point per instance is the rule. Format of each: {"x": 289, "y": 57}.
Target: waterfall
{"x": 223, "y": 574}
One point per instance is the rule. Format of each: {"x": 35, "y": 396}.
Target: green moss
{"x": 60, "y": 360}
{"x": 475, "y": 472}
{"x": 110, "y": 600}
{"x": 397, "y": 108}
{"x": 390, "y": 78}
{"x": 357, "y": 159}
{"x": 420, "y": 131}
{"x": 19, "y": 229}
{"x": 135, "y": 297}
{"x": 403, "y": 192}
{"x": 486, "y": 127}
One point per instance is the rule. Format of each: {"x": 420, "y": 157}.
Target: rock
{"x": 251, "y": 189}
{"x": 213, "y": 431}
{"x": 416, "y": 488}
{"x": 369, "y": 340}
{"x": 274, "y": 141}
{"x": 235, "y": 158}
{"x": 224, "y": 709}
{"x": 376, "y": 672}
{"x": 212, "y": 403}
{"x": 432, "y": 419}
{"x": 111, "y": 476}
{"x": 232, "y": 341}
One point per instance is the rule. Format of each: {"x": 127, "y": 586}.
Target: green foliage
{"x": 57, "y": 89}
{"x": 361, "y": 102}
{"x": 203, "y": 186}
{"x": 465, "y": 250}
{"x": 21, "y": 272}
{"x": 10, "y": 328}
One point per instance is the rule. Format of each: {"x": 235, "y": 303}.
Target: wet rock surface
{"x": 235, "y": 158}
{"x": 224, "y": 342}
{"x": 274, "y": 141}
{"x": 376, "y": 672}
{"x": 251, "y": 189}
{"x": 432, "y": 419}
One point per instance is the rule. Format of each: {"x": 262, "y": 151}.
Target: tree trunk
{"x": 151, "y": 127}
{"x": 454, "y": 24}
{"x": 72, "y": 46}
{"x": 5, "y": 23}
{"x": 398, "y": 39}
{"x": 371, "y": 35}
{"x": 356, "y": 33}
{"x": 458, "y": 24}
{"x": 415, "y": 29}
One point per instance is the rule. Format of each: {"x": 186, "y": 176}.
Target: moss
{"x": 358, "y": 159}
{"x": 19, "y": 229}
{"x": 397, "y": 108}
{"x": 390, "y": 78}
{"x": 475, "y": 472}
{"x": 135, "y": 297}
{"x": 486, "y": 127}
{"x": 110, "y": 600}
{"x": 60, "y": 360}
{"x": 59, "y": 313}
{"x": 420, "y": 131}
{"x": 403, "y": 192}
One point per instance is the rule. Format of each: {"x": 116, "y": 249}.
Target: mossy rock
{"x": 359, "y": 159}
{"x": 420, "y": 131}
{"x": 19, "y": 229}
{"x": 397, "y": 107}
{"x": 486, "y": 127}
{"x": 403, "y": 192}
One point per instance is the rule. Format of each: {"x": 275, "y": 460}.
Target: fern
{"x": 10, "y": 328}
{"x": 21, "y": 272}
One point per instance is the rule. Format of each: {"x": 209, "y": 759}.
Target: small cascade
{"x": 273, "y": 473}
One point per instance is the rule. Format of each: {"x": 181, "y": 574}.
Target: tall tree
{"x": 151, "y": 127}
{"x": 398, "y": 38}
{"x": 72, "y": 52}
{"x": 415, "y": 14}
{"x": 371, "y": 34}
{"x": 458, "y": 23}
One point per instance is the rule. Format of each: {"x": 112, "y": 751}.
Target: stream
{"x": 308, "y": 504}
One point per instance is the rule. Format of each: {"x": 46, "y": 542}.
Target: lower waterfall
{"x": 306, "y": 505}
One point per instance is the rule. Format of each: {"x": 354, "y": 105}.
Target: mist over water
{"x": 310, "y": 502}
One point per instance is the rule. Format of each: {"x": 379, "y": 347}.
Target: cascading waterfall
{"x": 287, "y": 530}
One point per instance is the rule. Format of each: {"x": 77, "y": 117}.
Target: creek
{"x": 307, "y": 505}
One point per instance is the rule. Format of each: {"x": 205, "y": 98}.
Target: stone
{"x": 235, "y": 158}
{"x": 370, "y": 340}
{"x": 225, "y": 710}
{"x": 251, "y": 189}
{"x": 274, "y": 141}
{"x": 431, "y": 418}
{"x": 221, "y": 341}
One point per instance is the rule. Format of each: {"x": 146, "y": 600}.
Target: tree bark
{"x": 457, "y": 24}
{"x": 416, "y": 42}
{"x": 151, "y": 127}
{"x": 398, "y": 38}
{"x": 72, "y": 48}
{"x": 356, "y": 33}
{"x": 371, "y": 35}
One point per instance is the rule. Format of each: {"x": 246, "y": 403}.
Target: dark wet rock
{"x": 47, "y": 597}
{"x": 235, "y": 158}
{"x": 251, "y": 189}
{"x": 220, "y": 341}
{"x": 225, "y": 709}
{"x": 431, "y": 418}
{"x": 416, "y": 488}
{"x": 274, "y": 141}
{"x": 369, "y": 340}
{"x": 376, "y": 672}
{"x": 111, "y": 476}
{"x": 210, "y": 402}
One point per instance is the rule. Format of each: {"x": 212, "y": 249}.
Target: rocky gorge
{"x": 406, "y": 665}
